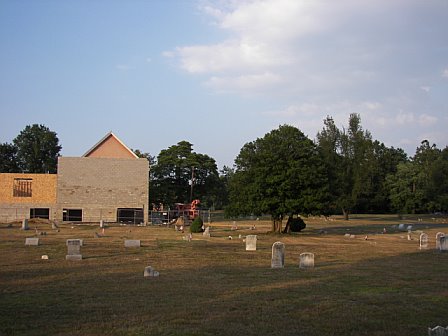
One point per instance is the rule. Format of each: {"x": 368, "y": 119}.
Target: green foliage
{"x": 8, "y": 158}
{"x": 196, "y": 225}
{"x": 356, "y": 167}
{"x": 278, "y": 174}
{"x": 37, "y": 149}
{"x": 177, "y": 168}
{"x": 421, "y": 185}
{"x": 294, "y": 224}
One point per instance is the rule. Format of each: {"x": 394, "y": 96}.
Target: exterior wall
{"x": 43, "y": 195}
{"x": 99, "y": 186}
{"x": 111, "y": 148}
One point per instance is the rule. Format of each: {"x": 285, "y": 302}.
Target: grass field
{"x": 384, "y": 285}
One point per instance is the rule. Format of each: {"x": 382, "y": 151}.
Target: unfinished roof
{"x": 110, "y": 147}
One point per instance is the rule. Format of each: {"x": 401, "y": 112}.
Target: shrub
{"x": 294, "y": 225}
{"x": 196, "y": 226}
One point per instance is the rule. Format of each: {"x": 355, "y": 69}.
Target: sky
{"x": 222, "y": 73}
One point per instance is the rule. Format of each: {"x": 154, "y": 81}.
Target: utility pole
{"x": 192, "y": 182}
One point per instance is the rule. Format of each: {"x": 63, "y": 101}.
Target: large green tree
{"x": 421, "y": 185}
{"x": 8, "y": 158}
{"x": 356, "y": 167}
{"x": 281, "y": 174}
{"x": 37, "y": 149}
{"x": 180, "y": 175}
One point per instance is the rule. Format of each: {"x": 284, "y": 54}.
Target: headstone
{"x": 25, "y": 224}
{"x": 132, "y": 243}
{"x": 32, "y": 241}
{"x": 251, "y": 243}
{"x": 347, "y": 235}
{"x": 438, "y": 331}
{"x": 306, "y": 260}
{"x": 401, "y": 227}
{"x": 409, "y": 228}
{"x": 150, "y": 272}
{"x": 206, "y": 232}
{"x": 278, "y": 255}
{"x": 234, "y": 226}
{"x": 443, "y": 241}
{"x": 73, "y": 249}
{"x": 102, "y": 223}
{"x": 80, "y": 240}
{"x": 438, "y": 236}
{"x": 423, "y": 241}
{"x": 44, "y": 257}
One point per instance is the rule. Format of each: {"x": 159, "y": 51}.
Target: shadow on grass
{"x": 211, "y": 293}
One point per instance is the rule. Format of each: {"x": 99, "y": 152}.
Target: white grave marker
{"x": 25, "y": 224}
{"x": 306, "y": 260}
{"x": 423, "y": 241}
{"x": 438, "y": 236}
{"x": 73, "y": 249}
{"x": 32, "y": 241}
{"x": 278, "y": 255}
{"x": 443, "y": 241}
{"x": 251, "y": 243}
{"x": 132, "y": 243}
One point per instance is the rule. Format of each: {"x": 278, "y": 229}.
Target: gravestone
{"x": 438, "y": 331}
{"x": 32, "y": 241}
{"x": 102, "y": 223}
{"x": 278, "y": 255}
{"x": 25, "y": 224}
{"x": 234, "y": 226}
{"x": 401, "y": 227}
{"x": 423, "y": 241}
{"x": 206, "y": 232}
{"x": 443, "y": 244}
{"x": 306, "y": 260}
{"x": 150, "y": 272}
{"x": 81, "y": 241}
{"x": 438, "y": 236}
{"x": 132, "y": 243}
{"x": 409, "y": 228}
{"x": 73, "y": 249}
{"x": 251, "y": 243}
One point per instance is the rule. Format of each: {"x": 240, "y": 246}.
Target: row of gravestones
{"x": 441, "y": 241}
{"x": 278, "y": 254}
{"x": 25, "y": 225}
{"x": 278, "y": 248}
{"x": 278, "y": 257}
{"x": 74, "y": 246}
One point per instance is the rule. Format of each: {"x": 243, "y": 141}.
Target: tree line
{"x": 343, "y": 171}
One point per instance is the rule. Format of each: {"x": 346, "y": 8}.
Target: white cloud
{"x": 403, "y": 118}
{"x": 425, "y": 88}
{"x": 445, "y": 73}
{"x": 427, "y": 120}
{"x": 231, "y": 55}
{"x": 243, "y": 83}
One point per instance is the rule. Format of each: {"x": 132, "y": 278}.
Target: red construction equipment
{"x": 189, "y": 211}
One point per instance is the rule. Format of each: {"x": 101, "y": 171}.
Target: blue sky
{"x": 222, "y": 73}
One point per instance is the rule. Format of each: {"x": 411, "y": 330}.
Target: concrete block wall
{"x": 99, "y": 186}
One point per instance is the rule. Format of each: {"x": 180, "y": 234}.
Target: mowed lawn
{"x": 384, "y": 285}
